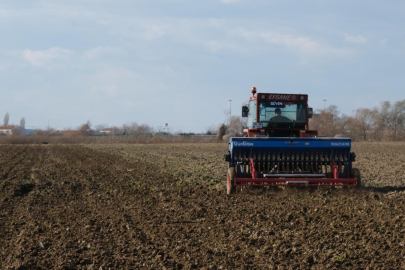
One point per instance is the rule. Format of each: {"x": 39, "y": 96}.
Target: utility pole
{"x": 230, "y": 111}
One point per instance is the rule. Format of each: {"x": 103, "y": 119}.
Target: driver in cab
{"x": 278, "y": 117}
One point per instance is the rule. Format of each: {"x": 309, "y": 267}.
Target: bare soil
{"x": 165, "y": 206}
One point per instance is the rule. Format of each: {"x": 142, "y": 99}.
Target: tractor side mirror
{"x": 310, "y": 112}
{"x": 245, "y": 111}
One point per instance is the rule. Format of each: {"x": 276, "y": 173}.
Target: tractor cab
{"x": 277, "y": 115}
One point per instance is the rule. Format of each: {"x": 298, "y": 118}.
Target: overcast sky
{"x": 180, "y": 61}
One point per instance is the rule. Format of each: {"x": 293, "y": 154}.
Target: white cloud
{"x": 4, "y": 13}
{"x": 3, "y": 67}
{"x": 383, "y": 42}
{"x": 355, "y": 39}
{"x": 215, "y": 46}
{"x": 144, "y": 29}
{"x": 155, "y": 31}
{"x": 45, "y": 57}
{"x": 110, "y": 81}
{"x": 303, "y": 44}
{"x": 109, "y": 90}
{"x": 100, "y": 51}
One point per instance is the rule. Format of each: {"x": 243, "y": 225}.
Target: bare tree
{"x": 362, "y": 125}
{"x": 236, "y": 126}
{"x": 134, "y": 129}
{"x": 222, "y": 131}
{"x": 85, "y": 129}
{"x": 328, "y": 122}
{"x": 129, "y": 129}
{"x": 115, "y": 131}
{"x": 393, "y": 118}
{"x": 22, "y": 122}
{"x": 99, "y": 128}
{"x": 6, "y": 119}
{"x": 144, "y": 129}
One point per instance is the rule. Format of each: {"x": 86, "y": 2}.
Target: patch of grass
{"x": 340, "y": 257}
{"x": 136, "y": 184}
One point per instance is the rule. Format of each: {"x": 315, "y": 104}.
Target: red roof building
{"x": 11, "y": 130}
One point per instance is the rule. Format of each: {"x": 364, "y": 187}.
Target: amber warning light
{"x": 253, "y": 90}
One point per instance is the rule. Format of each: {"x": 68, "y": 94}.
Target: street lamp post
{"x": 324, "y": 104}
{"x": 230, "y": 111}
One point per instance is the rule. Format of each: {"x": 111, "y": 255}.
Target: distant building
{"x": 12, "y": 130}
{"x": 65, "y": 133}
{"x": 30, "y": 132}
{"x": 109, "y": 131}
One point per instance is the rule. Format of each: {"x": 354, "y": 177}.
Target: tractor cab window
{"x": 252, "y": 114}
{"x": 276, "y": 113}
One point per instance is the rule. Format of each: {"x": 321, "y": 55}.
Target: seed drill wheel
{"x": 230, "y": 184}
{"x": 355, "y": 173}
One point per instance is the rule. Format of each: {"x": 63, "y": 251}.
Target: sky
{"x": 181, "y": 61}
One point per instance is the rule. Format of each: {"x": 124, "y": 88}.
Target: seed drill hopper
{"x": 280, "y": 150}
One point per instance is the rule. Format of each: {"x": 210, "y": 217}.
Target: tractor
{"x": 279, "y": 148}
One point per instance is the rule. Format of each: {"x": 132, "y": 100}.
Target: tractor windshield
{"x": 274, "y": 113}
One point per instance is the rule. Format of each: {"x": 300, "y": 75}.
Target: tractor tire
{"x": 355, "y": 173}
{"x": 230, "y": 184}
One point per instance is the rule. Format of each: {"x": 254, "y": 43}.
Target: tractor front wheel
{"x": 230, "y": 184}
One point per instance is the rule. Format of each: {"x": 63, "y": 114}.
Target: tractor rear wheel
{"x": 355, "y": 173}
{"x": 230, "y": 184}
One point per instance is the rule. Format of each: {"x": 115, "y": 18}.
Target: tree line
{"x": 132, "y": 129}
{"x": 383, "y": 123}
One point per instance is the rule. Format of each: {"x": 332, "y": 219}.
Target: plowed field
{"x": 164, "y": 207}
